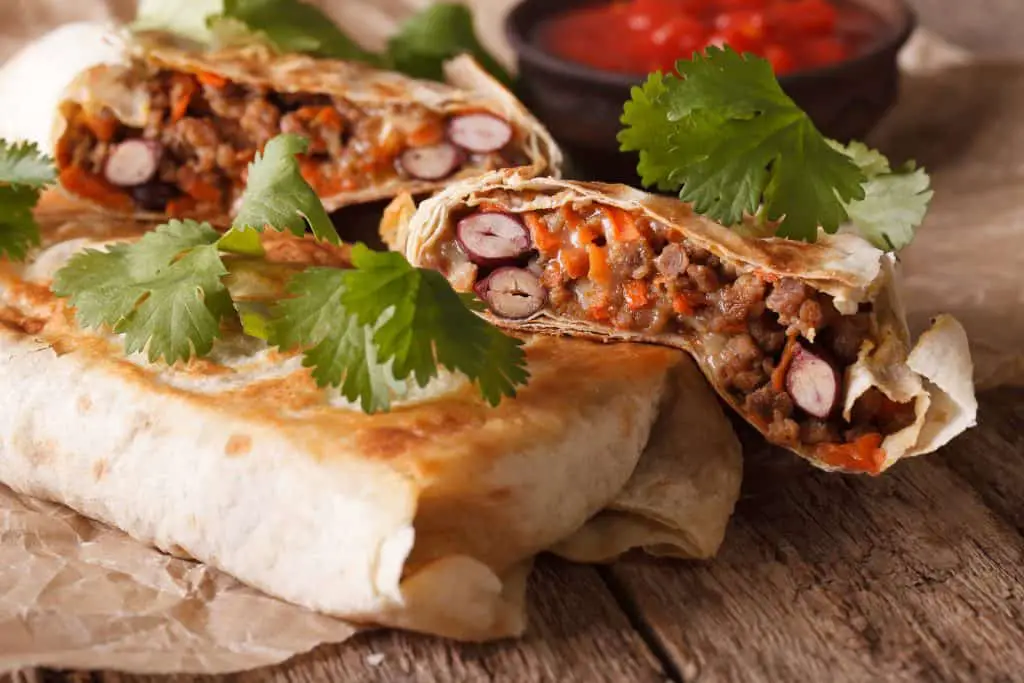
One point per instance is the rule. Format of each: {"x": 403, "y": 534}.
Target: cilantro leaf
{"x": 24, "y": 172}
{"x": 894, "y": 203}
{"x": 19, "y": 231}
{"x": 728, "y": 137}
{"x": 164, "y": 292}
{"x": 186, "y": 19}
{"x": 339, "y": 349}
{"x": 436, "y": 34}
{"x": 277, "y": 195}
{"x": 22, "y": 164}
{"x": 429, "y": 325}
{"x": 294, "y": 26}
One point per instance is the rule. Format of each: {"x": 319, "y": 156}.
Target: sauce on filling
{"x": 650, "y": 35}
{"x": 606, "y": 265}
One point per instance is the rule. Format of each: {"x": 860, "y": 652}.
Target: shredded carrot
{"x": 429, "y": 133}
{"x": 570, "y": 218}
{"x": 600, "y": 273}
{"x": 587, "y": 233}
{"x": 765, "y": 276}
{"x": 575, "y": 262}
{"x": 779, "y": 373}
{"x": 182, "y": 90}
{"x": 490, "y": 207}
{"x": 623, "y": 224}
{"x": 636, "y": 294}
{"x": 547, "y": 243}
{"x": 211, "y": 79}
{"x": 196, "y": 187}
{"x": 681, "y": 305}
{"x": 865, "y": 454}
{"x": 80, "y": 182}
{"x": 102, "y": 125}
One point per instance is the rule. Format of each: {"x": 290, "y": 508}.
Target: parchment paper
{"x": 76, "y": 594}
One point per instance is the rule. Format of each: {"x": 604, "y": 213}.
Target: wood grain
{"x": 909, "y": 576}
{"x": 577, "y": 633}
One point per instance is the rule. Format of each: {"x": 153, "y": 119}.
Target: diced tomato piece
{"x": 749, "y": 23}
{"x": 802, "y": 17}
{"x": 824, "y": 51}
{"x": 636, "y": 294}
{"x": 737, "y": 40}
{"x": 677, "y": 39}
{"x": 741, "y": 4}
{"x": 781, "y": 59}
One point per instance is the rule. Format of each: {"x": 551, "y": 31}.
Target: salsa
{"x": 641, "y": 36}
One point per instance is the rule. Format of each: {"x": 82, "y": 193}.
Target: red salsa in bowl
{"x": 640, "y": 36}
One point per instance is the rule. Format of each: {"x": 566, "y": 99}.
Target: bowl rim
{"x": 518, "y": 25}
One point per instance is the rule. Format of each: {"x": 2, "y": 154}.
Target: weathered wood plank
{"x": 823, "y": 577}
{"x": 577, "y": 633}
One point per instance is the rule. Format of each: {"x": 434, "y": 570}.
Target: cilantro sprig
{"x": 419, "y": 47}
{"x": 24, "y": 173}
{"x": 371, "y": 330}
{"x": 728, "y": 139}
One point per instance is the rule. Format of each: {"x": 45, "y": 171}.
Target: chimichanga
{"x": 171, "y": 131}
{"x": 807, "y": 341}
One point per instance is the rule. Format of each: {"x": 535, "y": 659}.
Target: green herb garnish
{"x": 372, "y": 329}
{"x": 24, "y": 173}
{"x": 728, "y": 139}
{"x": 419, "y": 48}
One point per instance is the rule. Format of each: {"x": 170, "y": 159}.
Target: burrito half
{"x": 426, "y": 517}
{"x": 807, "y": 341}
{"x": 171, "y": 132}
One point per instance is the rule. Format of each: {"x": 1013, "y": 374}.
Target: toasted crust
{"x": 424, "y": 517}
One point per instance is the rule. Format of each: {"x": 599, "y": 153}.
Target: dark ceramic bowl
{"x": 581, "y": 106}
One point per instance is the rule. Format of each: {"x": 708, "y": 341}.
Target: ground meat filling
{"x": 778, "y": 346}
{"x": 202, "y": 132}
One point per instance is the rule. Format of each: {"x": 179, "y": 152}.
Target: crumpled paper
{"x": 77, "y": 594}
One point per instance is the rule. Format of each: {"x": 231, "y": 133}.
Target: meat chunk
{"x": 631, "y": 259}
{"x": 672, "y": 261}
{"x": 768, "y": 334}
{"x": 740, "y": 364}
{"x": 704, "y": 277}
{"x": 196, "y": 139}
{"x": 786, "y": 298}
{"x": 261, "y": 121}
{"x": 818, "y": 431}
{"x": 847, "y": 335}
{"x": 740, "y": 301}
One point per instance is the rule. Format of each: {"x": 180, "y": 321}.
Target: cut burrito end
{"x": 171, "y": 132}
{"x": 806, "y": 341}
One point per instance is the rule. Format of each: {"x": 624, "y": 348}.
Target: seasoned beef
{"x": 194, "y": 139}
{"x": 632, "y": 259}
{"x": 704, "y": 277}
{"x": 786, "y": 298}
{"x": 740, "y": 363}
{"x": 847, "y": 335}
{"x": 261, "y": 121}
{"x": 768, "y": 334}
{"x": 672, "y": 261}
{"x": 815, "y": 431}
{"x": 740, "y": 301}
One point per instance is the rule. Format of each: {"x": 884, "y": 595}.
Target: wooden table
{"x": 916, "y": 575}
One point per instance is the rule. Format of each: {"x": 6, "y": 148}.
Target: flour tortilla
{"x": 935, "y": 375}
{"x": 425, "y": 518}
{"x": 121, "y": 87}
